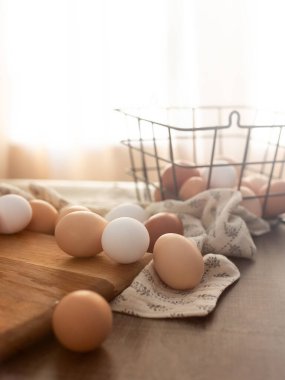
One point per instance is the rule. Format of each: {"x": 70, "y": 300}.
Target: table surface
{"x": 243, "y": 338}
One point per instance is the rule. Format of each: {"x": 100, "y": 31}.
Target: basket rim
{"x": 234, "y": 113}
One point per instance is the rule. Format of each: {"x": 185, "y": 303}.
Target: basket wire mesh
{"x": 249, "y": 139}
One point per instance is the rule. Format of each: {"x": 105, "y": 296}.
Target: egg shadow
{"x": 70, "y": 364}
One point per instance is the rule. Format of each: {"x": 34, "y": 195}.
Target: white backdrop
{"x": 65, "y": 64}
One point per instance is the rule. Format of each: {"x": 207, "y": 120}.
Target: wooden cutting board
{"x": 35, "y": 273}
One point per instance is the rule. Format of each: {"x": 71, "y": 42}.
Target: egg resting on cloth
{"x": 218, "y": 224}
{"x": 149, "y": 297}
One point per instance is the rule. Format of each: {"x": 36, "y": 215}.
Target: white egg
{"x": 125, "y": 240}
{"x": 15, "y": 213}
{"x": 130, "y": 210}
{"x": 221, "y": 176}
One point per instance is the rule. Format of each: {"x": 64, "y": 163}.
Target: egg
{"x": 70, "y": 208}
{"x": 231, "y": 161}
{"x": 161, "y": 196}
{"x": 252, "y": 204}
{"x": 275, "y": 205}
{"x": 254, "y": 182}
{"x": 191, "y": 187}
{"x": 15, "y": 213}
{"x": 160, "y": 224}
{"x": 125, "y": 240}
{"x": 182, "y": 172}
{"x": 178, "y": 262}
{"x": 82, "y": 320}
{"x": 79, "y": 233}
{"x": 44, "y": 217}
{"x": 130, "y": 210}
{"x": 221, "y": 176}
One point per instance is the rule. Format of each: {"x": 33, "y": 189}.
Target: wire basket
{"x": 249, "y": 139}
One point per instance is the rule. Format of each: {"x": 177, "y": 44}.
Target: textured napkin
{"x": 149, "y": 297}
{"x": 217, "y": 223}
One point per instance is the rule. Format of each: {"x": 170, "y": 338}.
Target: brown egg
{"x": 79, "y": 233}
{"x": 82, "y": 320}
{"x": 191, "y": 187}
{"x": 44, "y": 217}
{"x": 160, "y": 224}
{"x": 254, "y": 182}
{"x": 275, "y": 204}
{"x": 251, "y": 204}
{"x": 70, "y": 208}
{"x": 178, "y": 261}
{"x": 157, "y": 196}
{"x": 182, "y": 173}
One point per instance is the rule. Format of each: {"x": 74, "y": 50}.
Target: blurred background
{"x": 65, "y": 65}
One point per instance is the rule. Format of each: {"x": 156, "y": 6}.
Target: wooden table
{"x": 244, "y": 338}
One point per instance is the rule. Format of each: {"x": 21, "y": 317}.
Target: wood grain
{"x": 35, "y": 273}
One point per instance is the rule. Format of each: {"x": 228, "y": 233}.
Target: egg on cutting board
{"x": 44, "y": 217}
{"x": 15, "y": 213}
{"x": 131, "y": 210}
{"x": 70, "y": 208}
{"x": 79, "y": 233}
{"x": 125, "y": 240}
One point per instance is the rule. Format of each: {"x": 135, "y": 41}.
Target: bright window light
{"x": 70, "y": 62}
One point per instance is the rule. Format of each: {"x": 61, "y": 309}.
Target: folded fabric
{"x": 149, "y": 297}
{"x": 216, "y": 221}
